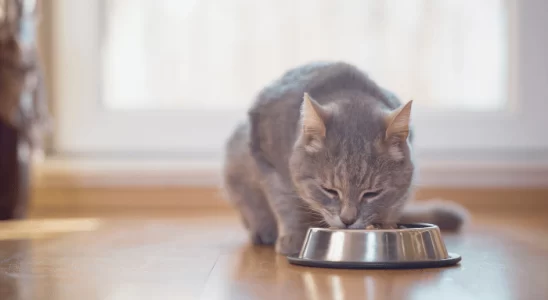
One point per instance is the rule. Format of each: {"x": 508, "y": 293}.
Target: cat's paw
{"x": 265, "y": 236}
{"x": 289, "y": 244}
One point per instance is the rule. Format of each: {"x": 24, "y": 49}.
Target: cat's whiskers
{"x": 307, "y": 207}
{"x": 316, "y": 223}
{"x": 313, "y": 212}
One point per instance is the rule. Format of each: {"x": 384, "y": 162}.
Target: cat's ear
{"x": 313, "y": 117}
{"x": 398, "y": 122}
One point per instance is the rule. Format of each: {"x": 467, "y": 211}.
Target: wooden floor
{"x": 206, "y": 256}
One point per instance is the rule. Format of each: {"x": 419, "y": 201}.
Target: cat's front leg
{"x": 293, "y": 224}
{"x": 290, "y": 243}
{"x": 291, "y": 213}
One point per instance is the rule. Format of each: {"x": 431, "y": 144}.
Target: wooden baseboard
{"x": 117, "y": 173}
{"x": 184, "y": 198}
{"x": 524, "y": 199}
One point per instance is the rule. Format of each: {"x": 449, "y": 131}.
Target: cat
{"x": 325, "y": 146}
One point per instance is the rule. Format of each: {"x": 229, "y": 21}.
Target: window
{"x": 216, "y": 54}
{"x": 172, "y": 77}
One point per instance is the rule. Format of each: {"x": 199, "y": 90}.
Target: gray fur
{"x": 275, "y": 180}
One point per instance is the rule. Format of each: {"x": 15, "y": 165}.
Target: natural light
{"x": 216, "y": 54}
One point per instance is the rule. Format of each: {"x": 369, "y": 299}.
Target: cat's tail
{"x": 446, "y": 215}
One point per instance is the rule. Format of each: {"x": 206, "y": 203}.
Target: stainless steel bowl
{"x": 416, "y": 246}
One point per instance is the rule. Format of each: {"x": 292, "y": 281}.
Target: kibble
{"x": 380, "y": 226}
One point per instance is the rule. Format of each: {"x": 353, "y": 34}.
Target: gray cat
{"x": 325, "y": 146}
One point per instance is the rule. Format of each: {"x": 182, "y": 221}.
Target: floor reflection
{"x": 209, "y": 259}
{"x": 45, "y": 228}
{"x": 258, "y": 265}
{"x": 363, "y": 284}
{"x": 14, "y": 260}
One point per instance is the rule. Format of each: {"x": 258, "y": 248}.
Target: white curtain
{"x": 216, "y": 54}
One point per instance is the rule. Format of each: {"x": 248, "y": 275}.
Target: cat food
{"x": 379, "y": 226}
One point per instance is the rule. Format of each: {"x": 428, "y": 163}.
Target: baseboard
{"x": 99, "y": 173}
{"x": 189, "y": 198}
{"x": 483, "y": 175}
{"x": 102, "y": 185}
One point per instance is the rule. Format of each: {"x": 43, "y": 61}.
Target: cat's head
{"x": 352, "y": 161}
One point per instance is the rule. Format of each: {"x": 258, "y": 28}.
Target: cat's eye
{"x": 370, "y": 195}
{"x": 331, "y": 192}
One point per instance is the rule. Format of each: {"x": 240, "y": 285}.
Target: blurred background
{"x": 142, "y": 94}
{"x": 114, "y": 115}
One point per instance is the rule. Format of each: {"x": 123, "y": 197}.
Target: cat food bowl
{"x": 415, "y": 246}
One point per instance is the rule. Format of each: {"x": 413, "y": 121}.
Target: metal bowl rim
{"x": 425, "y": 227}
{"x": 452, "y": 259}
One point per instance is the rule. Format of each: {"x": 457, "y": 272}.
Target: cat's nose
{"x": 348, "y": 220}
{"x": 349, "y": 214}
